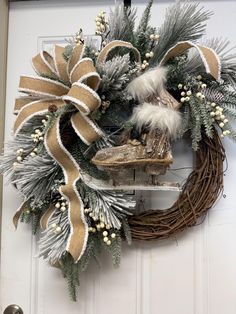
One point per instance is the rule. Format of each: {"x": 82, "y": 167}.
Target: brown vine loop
{"x": 200, "y": 192}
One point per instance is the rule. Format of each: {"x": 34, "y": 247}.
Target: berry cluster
{"x": 105, "y": 105}
{"x": 62, "y": 204}
{"x": 100, "y": 226}
{"x": 56, "y": 228}
{"x": 101, "y": 23}
{"x": 216, "y": 112}
{"x": 37, "y": 136}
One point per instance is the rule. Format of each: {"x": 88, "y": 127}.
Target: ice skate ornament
{"x": 156, "y": 120}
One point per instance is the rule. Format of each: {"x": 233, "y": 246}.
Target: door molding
{"x": 4, "y": 12}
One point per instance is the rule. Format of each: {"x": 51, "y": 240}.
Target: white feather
{"x": 157, "y": 117}
{"x": 148, "y": 84}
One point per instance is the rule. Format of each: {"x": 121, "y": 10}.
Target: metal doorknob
{"x": 13, "y": 309}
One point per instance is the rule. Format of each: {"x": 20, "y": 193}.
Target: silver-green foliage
{"x": 121, "y": 23}
{"x": 143, "y": 31}
{"x": 35, "y": 176}
{"x": 183, "y": 21}
{"x": 52, "y": 245}
{"x": 196, "y": 118}
{"x": 114, "y": 74}
{"x": 110, "y": 206}
{"x": 225, "y": 97}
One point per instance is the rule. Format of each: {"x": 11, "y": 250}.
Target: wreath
{"x": 94, "y": 117}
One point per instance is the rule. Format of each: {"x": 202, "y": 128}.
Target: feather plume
{"x": 157, "y": 117}
{"x": 148, "y": 84}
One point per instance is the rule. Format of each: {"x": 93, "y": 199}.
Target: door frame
{"x": 4, "y": 13}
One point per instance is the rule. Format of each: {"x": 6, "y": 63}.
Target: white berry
{"x": 58, "y": 229}
{"x": 105, "y": 233}
{"x": 113, "y": 235}
{"x": 20, "y": 151}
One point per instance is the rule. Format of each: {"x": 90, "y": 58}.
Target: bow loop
{"x": 42, "y": 87}
{"x": 85, "y": 71}
{"x": 83, "y": 97}
{"x": 43, "y": 64}
{"x": 60, "y": 63}
{"x": 75, "y": 57}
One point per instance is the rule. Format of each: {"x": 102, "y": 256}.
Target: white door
{"x": 194, "y": 274}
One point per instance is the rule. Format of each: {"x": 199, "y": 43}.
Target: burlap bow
{"x": 76, "y": 82}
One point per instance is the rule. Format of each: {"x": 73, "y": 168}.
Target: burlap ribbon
{"x": 209, "y": 57}
{"x": 75, "y": 81}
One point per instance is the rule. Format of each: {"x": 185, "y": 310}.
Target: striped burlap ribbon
{"x": 51, "y": 88}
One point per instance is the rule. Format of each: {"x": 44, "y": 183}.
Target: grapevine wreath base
{"x": 199, "y": 194}
{"x": 93, "y": 116}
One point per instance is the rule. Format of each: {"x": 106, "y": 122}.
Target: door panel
{"x": 192, "y": 274}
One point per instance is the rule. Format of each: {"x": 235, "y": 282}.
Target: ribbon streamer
{"x": 23, "y": 208}
{"x": 76, "y": 243}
